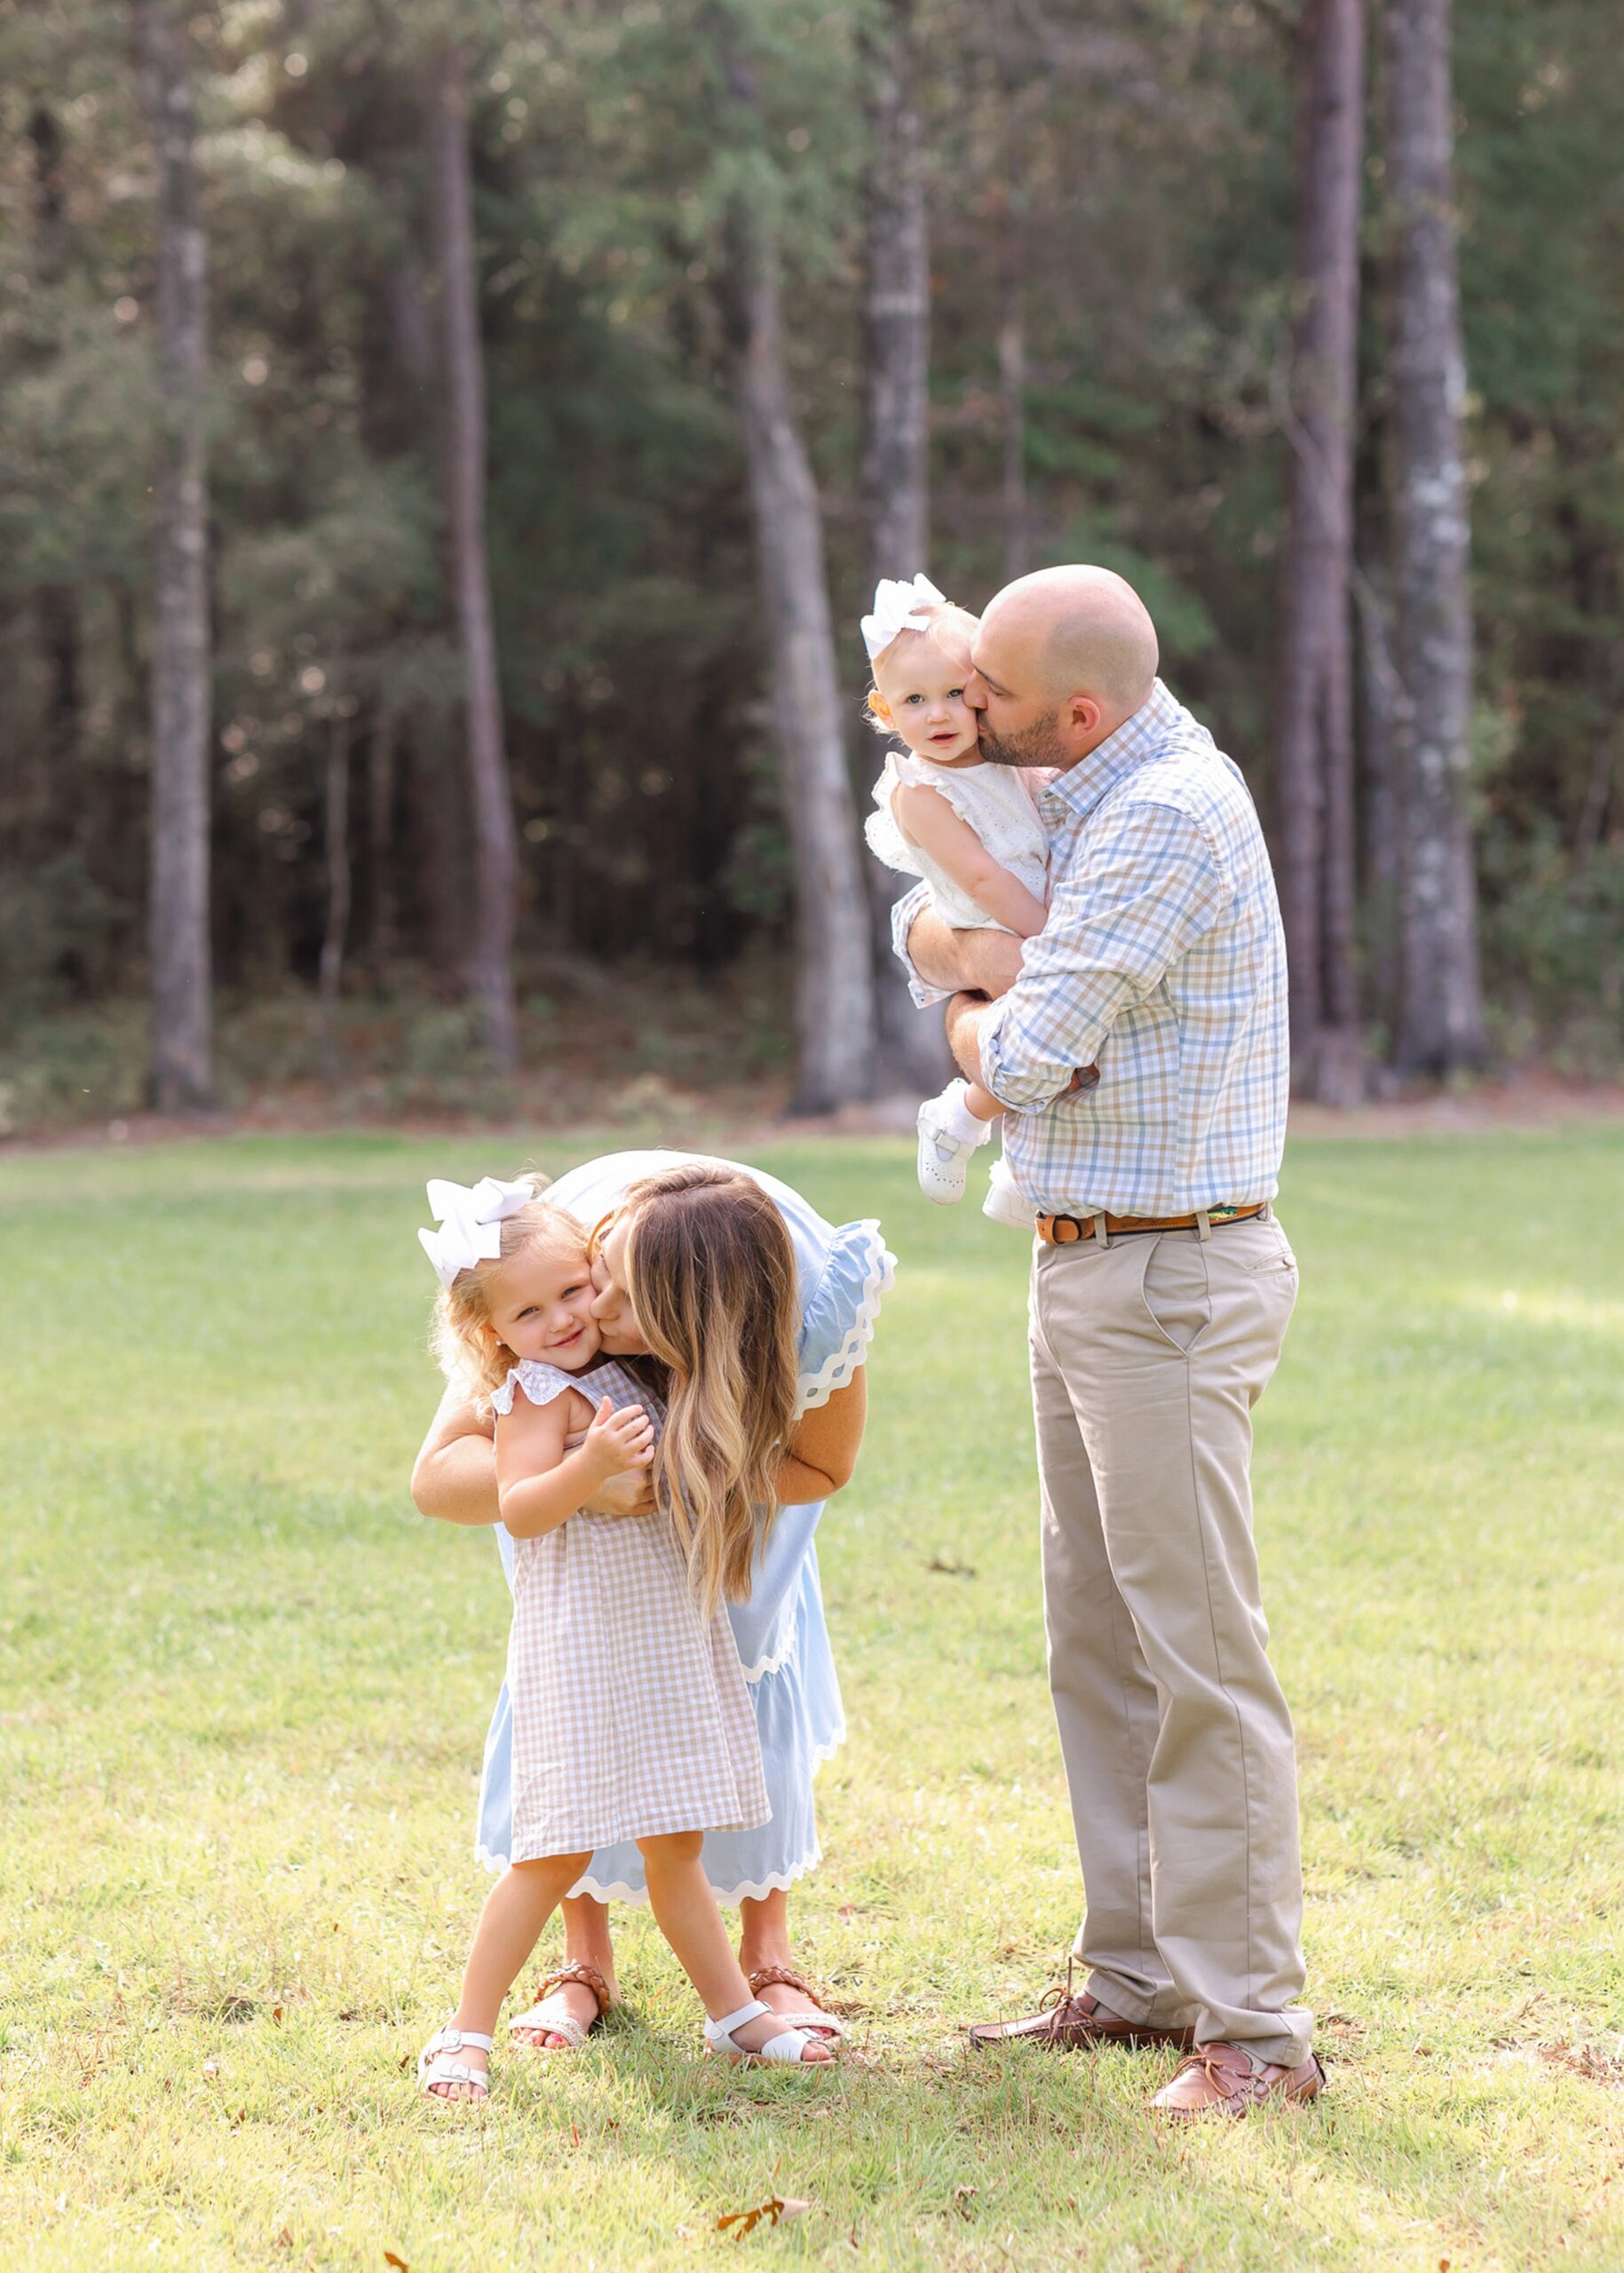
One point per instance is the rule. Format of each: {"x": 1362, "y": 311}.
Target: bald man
{"x": 1162, "y": 1288}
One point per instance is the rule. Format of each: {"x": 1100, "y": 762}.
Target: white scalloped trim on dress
{"x": 762, "y": 1667}
{"x": 838, "y": 1367}
{"x": 526, "y": 1373}
{"x": 749, "y": 1890}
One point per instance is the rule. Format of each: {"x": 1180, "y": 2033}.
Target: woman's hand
{"x": 619, "y": 1443}
{"x": 630, "y": 1495}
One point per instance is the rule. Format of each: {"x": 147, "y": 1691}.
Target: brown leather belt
{"x": 1065, "y": 1231}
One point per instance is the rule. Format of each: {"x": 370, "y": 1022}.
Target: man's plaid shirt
{"x": 1162, "y": 962}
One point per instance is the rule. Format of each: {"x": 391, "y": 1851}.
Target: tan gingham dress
{"x": 630, "y": 1715}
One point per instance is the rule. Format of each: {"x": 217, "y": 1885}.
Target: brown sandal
{"x": 818, "y": 2022}
{"x": 574, "y": 2035}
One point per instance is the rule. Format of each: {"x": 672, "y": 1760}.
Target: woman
{"x": 783, "y": 1640}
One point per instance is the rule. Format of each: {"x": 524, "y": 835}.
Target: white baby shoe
{"x": 948, "y": 1133}
{"x": 1005, "y": 1201}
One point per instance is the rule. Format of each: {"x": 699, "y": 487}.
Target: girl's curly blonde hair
{"x": 470, "y": 1356}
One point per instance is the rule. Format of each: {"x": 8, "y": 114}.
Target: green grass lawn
{"x": 243, "y": 1690}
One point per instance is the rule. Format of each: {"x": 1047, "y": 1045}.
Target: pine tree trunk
{"x": 181, "y": 1071}
{"x": 337, "y": 804}
{"x": 56, "y": 751}
{"x": 495, "y": 847}
{"x": 1318, "y": 864}
{"x": 834, "y": 1020}
{"x": 913, "y": 1051}
{"x": 1013, "y": 509}
{"x": 1440, "y": 1010}
{"x": 381, "y": 841}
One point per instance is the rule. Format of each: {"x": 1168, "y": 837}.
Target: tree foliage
{"x": 1145, "y": 150}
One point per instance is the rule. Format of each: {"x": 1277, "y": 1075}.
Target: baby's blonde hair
{"x": 947, "y": 625}
{"x": 474, "y": 1361}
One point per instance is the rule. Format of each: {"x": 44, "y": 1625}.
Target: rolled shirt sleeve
{"x": 1119, "y": 919}
{"x": 911, "y": 904}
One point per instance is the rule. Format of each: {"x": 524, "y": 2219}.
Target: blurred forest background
{"x": 445, "y": 449}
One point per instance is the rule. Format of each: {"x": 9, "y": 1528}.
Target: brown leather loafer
{"x": 1224, "y": 2078}
{"x": 1078, "y": 2025}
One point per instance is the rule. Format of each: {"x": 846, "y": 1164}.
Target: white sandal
{"x": 437, "y": 2062}
{"x": 787, "y": 2044}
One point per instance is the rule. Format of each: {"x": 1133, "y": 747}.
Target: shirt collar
{"x": 1078, "y": 791}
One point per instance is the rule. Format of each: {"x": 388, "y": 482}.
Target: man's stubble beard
{"x": 1037, "y": 745}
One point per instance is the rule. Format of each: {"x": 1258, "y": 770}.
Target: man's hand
{"x": 986, "y": 963}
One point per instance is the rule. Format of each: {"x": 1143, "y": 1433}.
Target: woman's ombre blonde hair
{"x": 472, "y": 1357}
{"x": 711, "y": 1279}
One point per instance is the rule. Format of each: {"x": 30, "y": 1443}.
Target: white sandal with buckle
{"x": 437, "y": 2062}
{"x": 787, "y": 2044}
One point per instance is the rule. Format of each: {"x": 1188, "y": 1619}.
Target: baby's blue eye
{"x": 913, "y": 698}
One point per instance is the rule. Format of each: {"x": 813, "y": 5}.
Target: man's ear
{"x": 1083, "y": 714}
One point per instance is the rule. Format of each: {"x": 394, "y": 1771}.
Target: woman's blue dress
{"x": 782, "y": 1636}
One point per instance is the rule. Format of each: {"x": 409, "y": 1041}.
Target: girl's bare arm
{"x": 454, "y": 1477}
{"x": 928, "y": 821}
{"x": 539, "y": 1484}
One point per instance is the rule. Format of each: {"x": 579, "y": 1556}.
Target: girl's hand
{"x": 620, "y": 1442}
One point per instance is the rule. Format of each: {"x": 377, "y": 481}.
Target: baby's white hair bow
{"x": 471, "y": 1220}
{"x": 898, "y": 607}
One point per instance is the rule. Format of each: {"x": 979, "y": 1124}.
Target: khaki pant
{"x": 1147, "y": 1358}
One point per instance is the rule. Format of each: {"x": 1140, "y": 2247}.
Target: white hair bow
{"x": 471, "y": 1220}
{"x": 898, "y": 607}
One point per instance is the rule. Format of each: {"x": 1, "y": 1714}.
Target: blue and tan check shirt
{"x": 1163, "y": 962}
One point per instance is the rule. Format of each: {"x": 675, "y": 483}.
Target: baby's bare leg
{"x": 982, "y": 1103}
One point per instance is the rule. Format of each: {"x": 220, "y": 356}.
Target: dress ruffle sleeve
{"x": 885, "y": 840}
{"x": 540, "y": 1383}
{"x": 840, "y": 1311}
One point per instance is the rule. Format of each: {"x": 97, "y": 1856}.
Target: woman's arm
{"x": 539, "y": 1484}
{"x": 454, "y": 1475}
{"x": 929, "y": 822}
{"x": 821, "y": 1453}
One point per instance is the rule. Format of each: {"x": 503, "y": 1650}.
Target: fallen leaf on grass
{"x": 950, "y": 1568}
{"x": 776, "y": 2206}
{"x": 398, "y": 2263}
{"x": 962, "y": 2196}
{"x": 1594, "y": 2061}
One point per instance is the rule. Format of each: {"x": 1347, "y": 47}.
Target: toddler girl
{"x": 630, "y": 1716}
{"x": 969, "y": 828}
